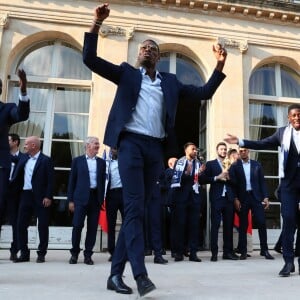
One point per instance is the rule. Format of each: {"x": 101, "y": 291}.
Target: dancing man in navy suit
{"x": 142, "y": 117}
{"x": 288, "y": 139}
{"x": 10, "y": 114}
{"x": 85, "y": 196}
{"x": 37, "y": 174}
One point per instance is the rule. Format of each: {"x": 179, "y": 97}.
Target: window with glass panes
{"x": 59, "y": 91}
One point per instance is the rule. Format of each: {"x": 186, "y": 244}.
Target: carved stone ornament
{"x": 108, "y": 30}
{"x": 4, "y": 19}
{"x": 230, "y": 43}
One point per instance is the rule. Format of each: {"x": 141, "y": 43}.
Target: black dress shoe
{"x": 13, "y": 256}
{"x": 278, "y": 249}
{"x": 115, "y": 283}
{"x": 40, "y": 259}
{"x": 73, "y": 260}
{"x": 243, "y": 256}
{"x": 144, "y": 285}
{"x": 22, "y": 259}
{"x": 194, "y": 257}
{"x": 230, "y": 256}
{"x": 214, "y": 257}
{"x": 287, "y": 269}
{"x": 266, "y": 254}
{"x": 160, "y": 260}
{"x": 110, "y": 258}
{"x": 178, "y": 257}
{"x": 88, "y": 261}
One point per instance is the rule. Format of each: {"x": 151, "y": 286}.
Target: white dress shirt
{"x": 92, "y": 166}
{"x": 149, "y": 115}
{"x": 28, "y": 171}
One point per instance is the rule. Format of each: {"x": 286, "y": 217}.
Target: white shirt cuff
{"x": 23, "y": 98}
{"x": 241, "y": 143}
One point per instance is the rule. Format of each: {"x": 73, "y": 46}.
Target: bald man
{"x": 37, "y": 173}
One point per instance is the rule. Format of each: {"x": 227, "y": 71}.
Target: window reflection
{"x": 70, "y": 127}
{"x": 62, "y": 152}
{"x": 262, "y": 81}
{"x": 290, "y": 82}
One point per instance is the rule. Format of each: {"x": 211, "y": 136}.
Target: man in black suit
{"x": 10, "y": 114}
{"x": 37, "y": 174}
{"x": 12, "y": 198}
{"x": 141, "y": 118}
{"x": 85, "y": 195}
{"x": 186, "y": 198}
{"x": 288, "y": 139}
{"x": 248, "y": 191}
{"x": 216, "y": 174}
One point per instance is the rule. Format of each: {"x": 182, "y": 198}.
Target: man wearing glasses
{"x": 141, "y": 126}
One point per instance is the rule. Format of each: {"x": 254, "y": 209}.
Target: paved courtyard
{"x": 255, "y": 278}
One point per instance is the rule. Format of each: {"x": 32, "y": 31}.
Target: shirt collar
{"x": 157, "y": 74}
{"x": 87, "y": 157}
{"x": 36, "y": 156}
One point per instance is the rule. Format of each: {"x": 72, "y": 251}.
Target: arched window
{"x": 59, "y": 91}
{"x": 272, "y": 88}
{"x": 188, "y": 127}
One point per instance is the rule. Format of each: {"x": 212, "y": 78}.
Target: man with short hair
{"x": 37, "y": 175}
{"x": 141, "y": 125}
{"x": 288, "y": 138}
{"x": 248, "y": 190}
{"x": 186, "y": 203}
{"x": 10, "y": 113}
{"x": 85, "y": 195}
{"x": 12, "y": 198}
{"x": 216, "y": 174}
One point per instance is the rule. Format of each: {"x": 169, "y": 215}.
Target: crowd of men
{"x": 141, "y": 126}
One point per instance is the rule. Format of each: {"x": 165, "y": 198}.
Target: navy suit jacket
{"x": 128, "y": 79}
{"x": 10, "y": 113}
{"x": 290, "y": 166}
{"x": 42, "y": 177}
{"x": 213, "y": 169}
{"x": 238, "y": 188}
{"x": 16, "y": 181}
{"x": 79, "y": 181}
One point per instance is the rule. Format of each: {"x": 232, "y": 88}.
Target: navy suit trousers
{"x": 29, "y": 207}
{"x": 259, "y": 214}
{"x": 4, "y": 175}
{"x": 222, "y": 209}
{"x": 289, "y": 208}
{"x": 91, "y": 211}
{"x": 114, "y": 203}
{"x": 140, "y": 161}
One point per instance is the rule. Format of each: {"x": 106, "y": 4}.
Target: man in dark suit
{"x": 85, "y": 196}
{"x": 216, "y": 174}
{"x": 186, "y": 199}
{"x": 141, "y": 117}
{"x": 12, "y": 199}
{"x": 10, "y": 114}
{"x": 248, "y": 191}
{"x": 289, "y": 171}
{"x": 37, "y": 173}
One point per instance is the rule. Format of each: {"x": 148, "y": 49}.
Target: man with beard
{"x": 216, "y": 174}
{"x": 141, "y": 121}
